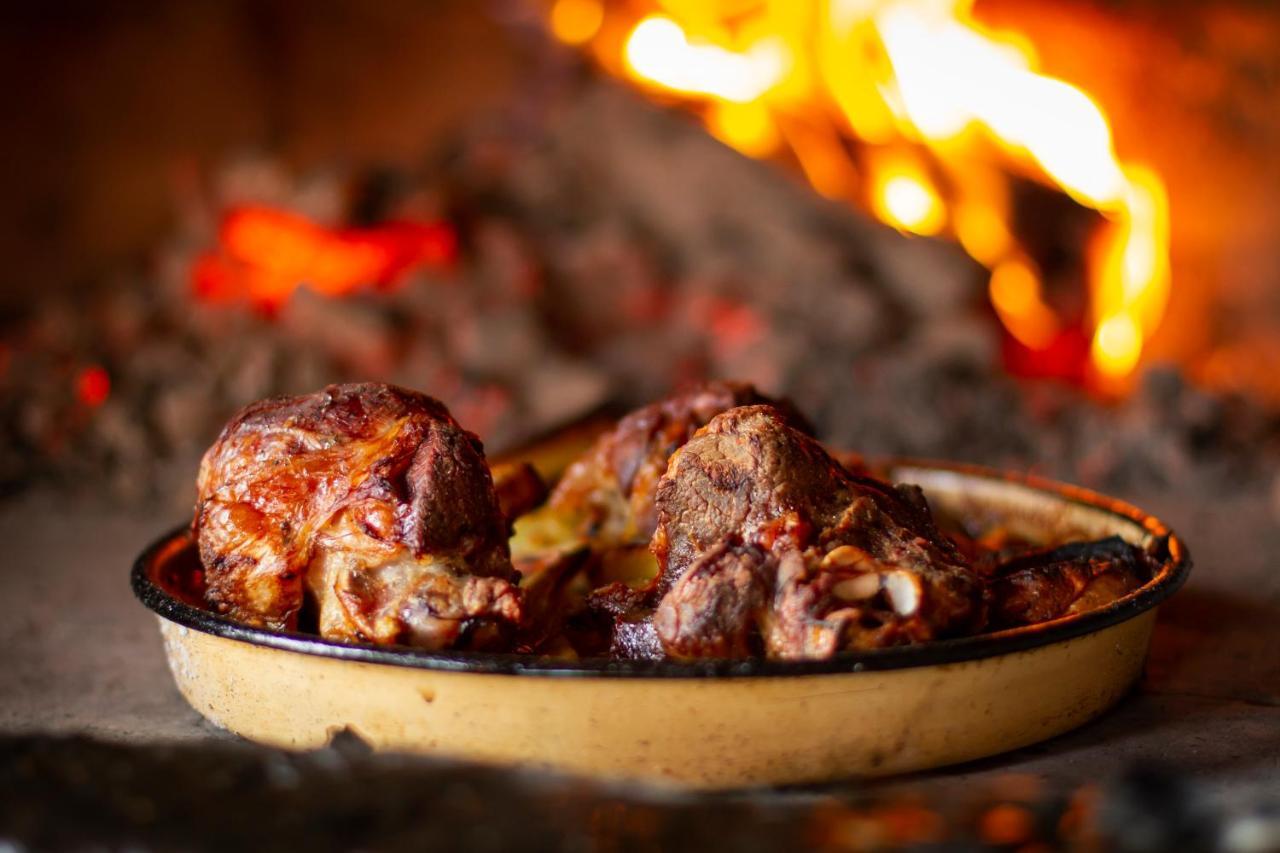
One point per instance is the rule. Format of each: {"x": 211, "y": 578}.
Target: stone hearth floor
{"x": 79, "y": 656}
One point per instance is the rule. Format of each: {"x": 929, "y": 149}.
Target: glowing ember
{"x": 910, "y": 79}
{"x": 576, "y": 21}
{"x": 264, "y": 254}
{"x": 93, "y": 386}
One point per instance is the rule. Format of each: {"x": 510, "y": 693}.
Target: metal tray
{"x": 719, "y": 724}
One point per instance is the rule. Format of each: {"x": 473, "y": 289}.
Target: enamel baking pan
{"x": 707, "y": 725}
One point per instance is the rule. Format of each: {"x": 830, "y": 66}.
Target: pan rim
{"x": 1174, "y": 568}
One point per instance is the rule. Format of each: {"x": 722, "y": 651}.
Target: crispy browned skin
{"x": 368, "y": 503}
{"x": 1049, "y": 583}
{"x": 608, "y": 493}
{"x": 769, "y": 546}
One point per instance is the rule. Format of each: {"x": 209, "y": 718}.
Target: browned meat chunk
{"x": 722, "y": 599}
{"x": 709, "y": 525}
{"x": 766, "y": 544}
{"x": 608, "y": 493}
{"x": 1046, "y": 584}
{"x": 366, "y": 504}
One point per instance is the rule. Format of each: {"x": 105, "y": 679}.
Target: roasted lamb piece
{"x": 607, "y": 495}
{"x": 365, "y": 507}
{"x": 708, "y": 525}
{"x": 1044, "y": 584}
{"x": 768, "y": 546}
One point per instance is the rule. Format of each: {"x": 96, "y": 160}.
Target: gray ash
{"x": 609, "y": 251}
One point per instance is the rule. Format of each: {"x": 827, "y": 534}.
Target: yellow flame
{"x": 1132, "y": 286}
{"x": 899, "y": 75}
{"x": 747, "y": 127}
{"x": 1117, "y": 344}
{"x": 659, "y": 51}
{"x": 903, "y": 196}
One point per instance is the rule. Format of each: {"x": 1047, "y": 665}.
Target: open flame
{"x": 941, "y": 110}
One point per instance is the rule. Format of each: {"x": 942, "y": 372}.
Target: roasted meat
{"x": 607, "y": 495}
{"x": 766, "y": 545}
{"x": 708, "y": 525}
{"x": 364, "y": 507}
{"x": 1044, "y": 584}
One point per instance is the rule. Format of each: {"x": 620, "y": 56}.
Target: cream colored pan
{"x": 706, "y": 725}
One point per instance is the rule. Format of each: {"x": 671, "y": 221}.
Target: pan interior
{"x": 1024, "y": 510}
{"x": 167, "y": 579}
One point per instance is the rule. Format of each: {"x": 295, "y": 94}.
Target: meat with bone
{"x": 368, "y": 513}
{"x": 767, "y": 545}
{"x": 608, "y": 493}
{"x": 367, "y": 504}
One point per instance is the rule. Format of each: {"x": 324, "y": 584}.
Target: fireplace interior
{"x": 1039, "y": 236}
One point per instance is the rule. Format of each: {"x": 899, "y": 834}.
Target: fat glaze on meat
{"x": 368, "y": 503}
{"x": 608, "y": 493}
{"x": 767, "y": 545}
{"x": 1045, "y": 584}
{"x": 367, "y": 513}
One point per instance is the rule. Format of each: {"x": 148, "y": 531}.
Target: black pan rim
{"x": 1170, "y": 577}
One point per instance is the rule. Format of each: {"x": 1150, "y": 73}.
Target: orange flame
{"x": 912, "y": 79}
{"x": 265, "y": 254}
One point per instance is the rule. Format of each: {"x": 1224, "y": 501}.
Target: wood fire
{"x": 921, "y": 114}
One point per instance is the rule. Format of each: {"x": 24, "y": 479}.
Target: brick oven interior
{"x": 594, "y": 248}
